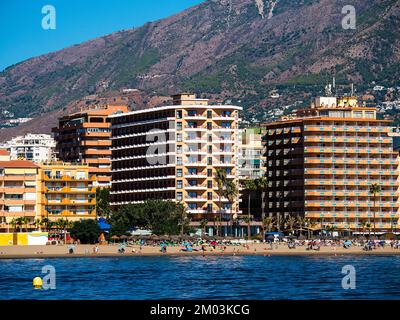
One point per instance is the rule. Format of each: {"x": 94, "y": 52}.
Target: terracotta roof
{"x": 18, "y": 164}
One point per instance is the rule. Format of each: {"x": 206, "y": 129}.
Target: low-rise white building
{"x": 33, "y": 147}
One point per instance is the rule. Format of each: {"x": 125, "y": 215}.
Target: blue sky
{"x": 22, "y": 35}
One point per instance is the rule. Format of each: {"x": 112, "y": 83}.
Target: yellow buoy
{"x": 37, "y": 283}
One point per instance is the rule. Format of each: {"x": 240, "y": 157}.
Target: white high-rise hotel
{"x": 173, "y": 152}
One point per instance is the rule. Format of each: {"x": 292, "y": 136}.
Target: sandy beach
{"x": 29, "y": 252}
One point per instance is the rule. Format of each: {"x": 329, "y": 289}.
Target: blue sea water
{"x": 210, "y": 277}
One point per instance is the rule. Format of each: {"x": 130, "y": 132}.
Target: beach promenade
{"x": 20, "y": 252}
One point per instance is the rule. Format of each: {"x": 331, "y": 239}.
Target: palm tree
{"x": 291, "y": 222}
{"x": 45, "y": 222}
{"x": 25, "y": 221}
{"x": 369, "y": 225}
{"x": 261, "y": 184}
{"x": 231, "y": 192}
{"x": 203, "y": 225}
{"x": 220, "y": 178}
{"x": 38, "y": 224}
{"x": 301, "y": 223}
{"x": 63, "y": 224}
{"x": 13, "y": 224}
{"x": 268, "y": 223}
{"x": 250, "y": 185}
{"x": 363, "y": 225}
{"x": 374, "y": 189}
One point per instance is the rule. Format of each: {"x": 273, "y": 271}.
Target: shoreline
{"x": 107, "y": 251}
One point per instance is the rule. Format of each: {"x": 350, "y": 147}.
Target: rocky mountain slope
{"x": 237, "y": 49}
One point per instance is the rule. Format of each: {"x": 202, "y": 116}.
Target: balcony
{"x": 193, "y": 199}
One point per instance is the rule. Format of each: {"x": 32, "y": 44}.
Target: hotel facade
{"x": 36, "y": 191}
{"x": 322, "y": 162}
{"x": 66, "y": 191}
{"x": 84, "y": 137}
{"x": 172, "y": 153}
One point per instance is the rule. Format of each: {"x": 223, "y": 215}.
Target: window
{"x": 209, "y": 172}
{"x": 179, "y": 172}
{"x": 192, "y": 206}
{"x": 209, "y": 125}
{"x": 179, "y": 196}
{"x": 179, "y": 137}
{"x": 178, "y": 149}
{"x": 209, "y": 184}
{"x": 209, "y": 196}
{"x": 209, "y": 114}
{"x": 192, "y": 170}
{"x": 179, "y": 125}
{"x": 192, "y": 194}
{"x": 192, "y": 183}
{"x": 209, "y": 161}
{"x": 179, "y": 184}
{"x": 179, "y": 114}
{"x": 179, "y": 160}
{"x": 80, "y": 175}
{"x": 192, "y": 113}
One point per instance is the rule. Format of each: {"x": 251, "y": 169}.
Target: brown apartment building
{"x": 84, "y": 137}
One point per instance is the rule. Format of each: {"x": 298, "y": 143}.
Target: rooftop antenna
{"x": 352, "y": 89}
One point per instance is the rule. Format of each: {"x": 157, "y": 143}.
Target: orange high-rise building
{"x": 84, "y": 137}
{"x": 322, "y": 163}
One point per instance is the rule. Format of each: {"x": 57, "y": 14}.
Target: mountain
{"x": 236, "y": 49}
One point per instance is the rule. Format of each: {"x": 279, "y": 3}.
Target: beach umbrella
{"x": 270, "y": 238}
{"x": 124, "y": 237}
{"x": 114, "y": 238}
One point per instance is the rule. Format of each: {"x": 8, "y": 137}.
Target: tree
{"x": 203, "y": 225}
{"x": 261, "y": 184}
{"x": 291, "y": 221}
{"x": 38, "y": 223}
{"x": 220, "y": 178}
{"x": 374, "y": 190}
{"x": 250, "y": 185}
{"x": 161, "y": 217}
{"x": 268, "y": 223}
{"x": 47, "y": 224}
{"x": 363, "y": 225}
{"x": 103, "y": 199}
{"x": 301, "y": 224}
{"x": 231, "y": 192}
{"x": 63, "y": 224}
{"x": 87, "y": 231}
{"x": 13, "y": 223}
